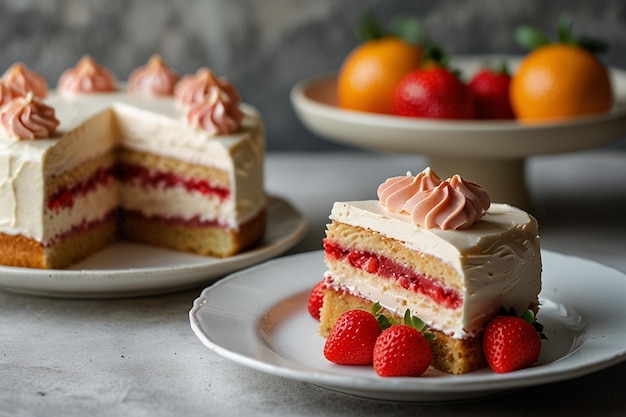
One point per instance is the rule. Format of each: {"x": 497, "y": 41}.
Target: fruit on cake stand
{"x": 492, "y": 153}
{"x": 489, "y": 143}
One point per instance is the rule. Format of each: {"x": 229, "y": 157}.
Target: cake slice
{"x": 439, "y": 249}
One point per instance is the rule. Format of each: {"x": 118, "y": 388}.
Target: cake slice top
{"x": 452, "y": 219}
{"x": 499, "y": 220}
{"x": 207, "y": 125}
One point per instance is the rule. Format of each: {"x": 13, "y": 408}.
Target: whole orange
{"x": 559, "y": 81}
{"x": 370, "y": 73}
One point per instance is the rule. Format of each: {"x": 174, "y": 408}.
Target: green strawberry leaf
{"x": 530, "y": 37}
{"x": 503, "y": 68}
{"x": 528, "y": 316}
{"x": 383, "y": 321}
{"x": 417, "y": 323}
{"x": 564, "y": 29}
{"x": 409, "y": 29}
{"x": 369, "y": 28}
{"x": 436, "y": 53}
{"x": 413, "y": 321}
{"x": 408, "y": 319}
{"x": 429, "y": 336}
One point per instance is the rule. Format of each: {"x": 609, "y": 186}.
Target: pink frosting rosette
{"x": 431, "y": 203}
{"x": 153, "y": 79}
{"x": 21, "y": 81}
{"x": 27, "y": 118}
{"x": 194, "y": 88}
{"x": 86, "y": 77}
{"x": 395, "y": 191}
{"x": 5, "y": 94}
{"x": 216, "y": 114}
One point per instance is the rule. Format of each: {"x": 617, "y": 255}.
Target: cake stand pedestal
{"x": 503, "y": 179}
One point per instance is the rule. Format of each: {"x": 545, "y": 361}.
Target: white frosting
{"x": 93, "y": 124}
{"x": 89, "y": 208}
{"x": 498, "y": 260}
{"x": 176, "y": 202}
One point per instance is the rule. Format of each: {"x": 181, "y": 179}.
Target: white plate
{"x": 258, "y": 317}
{"x": 131, "y": 269}
{"x": 491, "y": 153}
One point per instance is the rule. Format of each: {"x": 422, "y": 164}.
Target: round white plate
{"x": 132, "y": 269}
{"x": 258, "y": 317}
{"x": 315, "y": 103}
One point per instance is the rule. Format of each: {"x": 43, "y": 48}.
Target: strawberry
{"x": 511, "y": 343}
{"x": 491, "y": 92}
{"x": 402, "y": 349}
{"x": 316, "y": 298}
{"x": 434, "y": 93}
{"x": 351, "y": 340}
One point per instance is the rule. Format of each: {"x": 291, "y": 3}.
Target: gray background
{"x": 266, "y": 46}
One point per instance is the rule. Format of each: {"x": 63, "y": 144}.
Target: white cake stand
{"x": 491, "y": 153}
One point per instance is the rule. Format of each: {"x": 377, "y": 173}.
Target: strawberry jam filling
{"x": 404, "y": 277}
{"x": 66, "y": 197}
{"x": 158, "y": 179}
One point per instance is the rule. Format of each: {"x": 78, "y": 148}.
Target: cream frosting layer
{"x": 89, "y": 208}
{"x": 179, "y": 204}
{"x": 91, "y": 125}
{"x": 498, "y": 258}
{"x": 374, "y": 288}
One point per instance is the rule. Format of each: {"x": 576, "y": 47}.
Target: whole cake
{"x": 441, "y": 250}
{"x": 171, "y": 161}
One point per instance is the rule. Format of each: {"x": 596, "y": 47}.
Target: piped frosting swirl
{"x": 394, "y": 192}
{"x": 194, "y": 88}
{"x": 27, "y": 118}
{"x": 153, "y": 79}
{"x": 21, "y": 81}
{"x": 210, "y": 103}
{"x": 5, "y": 94}
{"x": 216, "y": 113}
{"x": 451, "y": 204}
{"x": 86, "y": 77}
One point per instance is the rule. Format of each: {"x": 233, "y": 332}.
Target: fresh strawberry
{"x": 351, "y": 340}
{"x": 511, "y": 343}
{"x": 491, "y": 92}
{"x": 434, "y": 93}
{"x": 402, "y": 349}
{"x": 316, "y": 298}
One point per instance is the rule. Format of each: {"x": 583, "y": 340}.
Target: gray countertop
{"x": 139, "y": 357}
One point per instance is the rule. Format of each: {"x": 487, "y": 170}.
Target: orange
{"x": 559, "y": 81}
{"x": 370, "y": 73}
